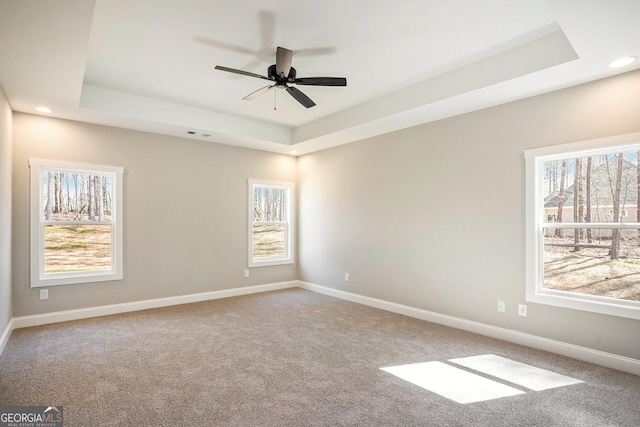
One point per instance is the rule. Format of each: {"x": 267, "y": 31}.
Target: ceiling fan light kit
{"x": 282, "y": 74}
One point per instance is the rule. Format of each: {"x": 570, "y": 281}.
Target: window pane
{"x": 73, "y": 248}
{"x": 270, "y": 223}
{"x": 582, "y": 261}
{"x": 593, "y": 186}
{"x": 270, "y": 203}
{"x": 269, "y": 241}
{"x": 69, "y": 196}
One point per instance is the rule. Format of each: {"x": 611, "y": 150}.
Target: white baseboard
{"x": 609, "y": 360}
{"x": 106, "y": 310}
{"x": 5, "y": 335}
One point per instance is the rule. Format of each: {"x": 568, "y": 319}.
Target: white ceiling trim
{"x": 381, "y": 115}
{"x": 228, "y": 127}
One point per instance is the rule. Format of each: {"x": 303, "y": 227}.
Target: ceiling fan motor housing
{"x": 271, "y": 73}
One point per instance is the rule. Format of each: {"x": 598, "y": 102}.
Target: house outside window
{"x": 621, "y": 214}
{"x": 583, "y": 236}
{"x": 76, "y": 223}
{"x": 271, "y": 224}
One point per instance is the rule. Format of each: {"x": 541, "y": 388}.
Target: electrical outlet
{"x": 522, "y": 310}
{"x": 501, "y": 306}
{"x": 44, "y": 293}
{"x": 246, "y": 273}
{"x": 346, "y": 277}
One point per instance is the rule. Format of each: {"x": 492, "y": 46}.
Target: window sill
{"x": 73, "y": 279}
{"x": 267, "y": 263}
{"x": 590, "y": 303}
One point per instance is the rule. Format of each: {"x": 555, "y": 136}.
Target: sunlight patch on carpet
{"x": 528, "y": 376}
{"x": 452, "y": 383}
{"x": 463, "y": 386}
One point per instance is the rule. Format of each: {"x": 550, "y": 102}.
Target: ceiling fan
{"x": 283, "y": 74}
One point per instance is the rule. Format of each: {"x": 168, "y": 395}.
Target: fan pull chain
{"x": 274, "y": 100}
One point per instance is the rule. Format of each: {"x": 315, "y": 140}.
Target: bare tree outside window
{"x": 270, "y": 223}
{"x": 580, "y": 255}
{"x": 563, "y": 176}
{"x": 77, "y": 221}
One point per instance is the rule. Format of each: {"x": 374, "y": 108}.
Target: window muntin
{"x": 270, "y": 223}
{"x": 583, "y": 257}
{"x": 76, "y": 223}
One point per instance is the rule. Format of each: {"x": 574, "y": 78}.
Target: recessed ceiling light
{"x": 622, "y": 62}
{"x": 294, "y": 152}
{"x": 44, "y": 110}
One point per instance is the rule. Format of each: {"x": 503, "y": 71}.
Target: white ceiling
{"x": 149, "y": 64}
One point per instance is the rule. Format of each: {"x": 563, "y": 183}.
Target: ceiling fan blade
{"x": 267, "y": 22}
{"x": 244, "y": 73}
{"x": 300, "y": 97}
{"x": 259, "y": 92}
{"x": 314, "y": 51}
{"x": 224, "y": 45}
{"x": 321, "y": 81}
{"x": 283, "y": 61}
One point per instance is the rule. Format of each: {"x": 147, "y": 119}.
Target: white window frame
{"x": 288, "y": 258}
{"x": 534, "y": 159}
{"x": 38, "y": 276}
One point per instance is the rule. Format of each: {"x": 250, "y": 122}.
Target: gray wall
{"x": 5, "y": 211}
{"x": 433, "y": 217}
{"x": 185, "y": 212}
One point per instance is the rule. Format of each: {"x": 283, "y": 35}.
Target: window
{"x": 270, "y": 223}
{"x": 583, "y": 233}
{"x": 76, "y": 223}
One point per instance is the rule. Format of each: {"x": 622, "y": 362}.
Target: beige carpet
{"x": 294, "y": 358}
